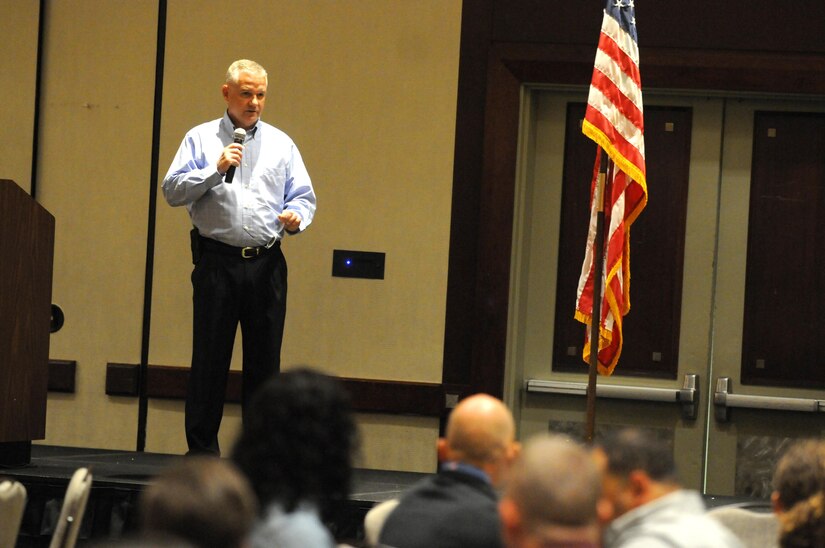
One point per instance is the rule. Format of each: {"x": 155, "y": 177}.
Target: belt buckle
{"x": 250, "y": 252}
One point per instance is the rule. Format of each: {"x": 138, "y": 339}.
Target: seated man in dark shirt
{"x": 458, "y": 506}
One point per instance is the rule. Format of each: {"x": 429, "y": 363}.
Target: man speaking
{"x": 245, "y": 186}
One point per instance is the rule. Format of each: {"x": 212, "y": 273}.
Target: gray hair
{"x": 243, "y": 65}
{"x": 555, "y": 483}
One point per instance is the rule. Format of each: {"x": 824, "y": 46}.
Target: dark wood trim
{"x": 476, "y": 28}
{"x": 407, "y": 398}
{"x": 730, "y": 72}
{"x": 122, "y": 379}
{"x": 368, "y": 395}
{"x": 62, "y": 376}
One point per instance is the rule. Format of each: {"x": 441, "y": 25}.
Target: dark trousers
{"x": 229, "y": 290}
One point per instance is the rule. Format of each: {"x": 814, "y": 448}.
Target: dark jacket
{"x": 451, "y": 509}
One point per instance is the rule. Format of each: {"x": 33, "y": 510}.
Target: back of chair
{"x": 759, "y": 529}
{"x": 375, "y": 518}
{"x": 12, "y": 504}
{"x": 74, "y": 506}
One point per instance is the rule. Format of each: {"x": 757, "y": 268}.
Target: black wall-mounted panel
{"x": 358, "y": 264}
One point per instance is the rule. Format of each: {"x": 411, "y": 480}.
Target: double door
{"x": 721, "y": 352}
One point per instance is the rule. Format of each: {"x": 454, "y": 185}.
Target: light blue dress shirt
{"x": 271, "y": 178}
{"x": 675, "y": 520}
{"x": 301, "y": 528}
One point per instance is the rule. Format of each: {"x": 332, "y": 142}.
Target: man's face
{"x": 616, "y": 494}
{"x": 616, "y": 490}
{"x": 245, "y": 99}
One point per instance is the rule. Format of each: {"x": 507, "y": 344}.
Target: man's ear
{"x": 225, "y": 91}
{"x": 443, "y": 450}
{"x": 605, "y": 511}
{"x": 776, "y": 503}
{"x": 510, "y": 518}
{"x": 513, "y": 451}
{"x": 638, "y": 485}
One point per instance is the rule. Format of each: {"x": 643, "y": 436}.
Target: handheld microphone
{"x": 239, "y": 136}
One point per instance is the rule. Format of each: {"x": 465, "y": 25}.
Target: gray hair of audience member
{"x": 630, "y": 449}
{"x": 204, "y": 500}
{"x": 555, "y": 482}
{"x": 243, "y": 65}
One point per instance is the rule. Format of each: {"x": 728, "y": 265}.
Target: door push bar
{"x": 687, "y": 396}
{"x": 723, "y": 400}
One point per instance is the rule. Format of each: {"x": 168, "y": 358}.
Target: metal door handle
{"x": 723, "y": 400}
{"x": 687, "y": 396}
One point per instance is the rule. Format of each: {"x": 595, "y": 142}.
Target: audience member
{"x": 643, "y": 501}
{"x": 296, "y": 448}
{"x": 799, "y": 495}
{"x": 204, "y": 501}
{"x": 551, "y": 496}
{"x": 458, "y": 506}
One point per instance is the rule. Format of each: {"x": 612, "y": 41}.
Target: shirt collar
{"x": 464, "y": 468}
{"x": 682, "y": 501}
{"x": 229, "y": 127}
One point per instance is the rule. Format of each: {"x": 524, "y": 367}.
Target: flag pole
{"x": 613, "y": 120}
{"x": 596, "y": 314}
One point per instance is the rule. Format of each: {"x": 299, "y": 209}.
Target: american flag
{"x": 614, "y": 120}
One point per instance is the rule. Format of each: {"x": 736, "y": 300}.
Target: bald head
{"x": 480, "y": 430}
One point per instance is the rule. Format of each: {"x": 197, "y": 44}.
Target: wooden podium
{"x": 26, "y": 258}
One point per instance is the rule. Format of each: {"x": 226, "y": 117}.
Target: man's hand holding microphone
{"x": 231, "y": 156}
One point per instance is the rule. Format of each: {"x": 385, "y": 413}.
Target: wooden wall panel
{"x": 759, "y": 25}
{"x": 785, "y": 280}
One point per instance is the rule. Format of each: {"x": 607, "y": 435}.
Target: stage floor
{"x": 119, "y": 476}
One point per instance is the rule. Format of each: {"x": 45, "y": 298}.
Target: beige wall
{"x": 18, "y": 65}
{"x": 366, "y": 88}
{"x": 95, "y": 149}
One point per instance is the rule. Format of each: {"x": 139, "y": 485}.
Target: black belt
{"x": 249, "y": 252}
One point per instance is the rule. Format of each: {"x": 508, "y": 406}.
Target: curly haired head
{"x": 799, "y": 494}
{"x": 298, "y": 440}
